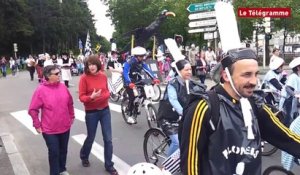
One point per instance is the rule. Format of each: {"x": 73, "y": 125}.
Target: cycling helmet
{"x": 139, "y": 51}
{"x": 276, "y": 63}
{"x": 295, "y": 62}
{"x": 144, "y": 169}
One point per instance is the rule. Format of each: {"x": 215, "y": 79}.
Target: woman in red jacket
{"x": 94, "y": 94}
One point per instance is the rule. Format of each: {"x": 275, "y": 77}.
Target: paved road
{"x": 15, "y": 95}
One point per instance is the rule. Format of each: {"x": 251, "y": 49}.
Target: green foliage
{"x": 45, "y": 26}
{"x": 128, "y": 15}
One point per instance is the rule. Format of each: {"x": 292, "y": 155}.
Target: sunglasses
{"x": 57, "y": 73}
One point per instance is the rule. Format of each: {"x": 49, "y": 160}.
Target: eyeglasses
{"x": 237, "y": 54}
{"x": 57, "y": 73}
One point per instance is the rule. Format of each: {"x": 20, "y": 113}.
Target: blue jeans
{"x": 3, "y": 70}
{"x": 57, "y": 151}
{"x": 91, "y": 120}
{"x": 174, "y": 144}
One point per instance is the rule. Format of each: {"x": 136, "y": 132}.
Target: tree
{"x": 40, "y": 26}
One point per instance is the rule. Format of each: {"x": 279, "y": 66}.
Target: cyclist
{"x": 175, "y": 98}
{"x": 291, "y": 90}
{"x": 274, "y": 79}
{"x": 132, "y": 74}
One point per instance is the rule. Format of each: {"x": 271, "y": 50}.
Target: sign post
{"x": 202, "y": 17}
{"x": 15, "y": 49}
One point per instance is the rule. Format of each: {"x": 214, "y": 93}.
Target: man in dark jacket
{"x": 232, "y": 143}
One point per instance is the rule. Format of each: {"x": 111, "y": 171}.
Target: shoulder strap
{"x": 214, "y": 108}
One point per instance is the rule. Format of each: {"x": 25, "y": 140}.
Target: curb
{"x": 15, "y": 158}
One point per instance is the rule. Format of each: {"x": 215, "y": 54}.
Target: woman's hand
{"x": 38, "y": 130}
{"x": 96, "y": 93}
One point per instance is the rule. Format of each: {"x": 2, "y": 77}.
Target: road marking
{"x": 25, "y": 119}
{"x": 98, "y": 151}
{"x": 79, "y": 115}
{"x": 115, "y": 107}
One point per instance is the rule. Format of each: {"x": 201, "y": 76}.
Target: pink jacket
{"x": 56, "y": 105}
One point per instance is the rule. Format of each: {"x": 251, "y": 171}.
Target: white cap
{"x": 295, "y": 62}
{"x": 138, "y": 51}
{"x": 276, "y": 63}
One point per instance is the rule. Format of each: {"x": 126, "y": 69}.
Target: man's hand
{"x": 156, "y": 81}
{"x": 131, "y": 85}
{"x": 96, "y": 93}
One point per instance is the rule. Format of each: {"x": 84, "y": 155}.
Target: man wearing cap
{"x": 230, "y": 142}
{"x": 132, "y": 75}
{"x": 291, "y": 92}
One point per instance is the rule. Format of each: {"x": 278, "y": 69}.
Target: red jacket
{"x": 87, "y": 84}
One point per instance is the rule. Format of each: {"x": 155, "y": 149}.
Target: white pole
{"x": 264, "y": 54}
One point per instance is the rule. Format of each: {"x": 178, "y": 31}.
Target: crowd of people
{"x": 206, "y": 139}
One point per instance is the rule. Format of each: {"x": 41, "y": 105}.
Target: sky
{"x": 103, "y": 24}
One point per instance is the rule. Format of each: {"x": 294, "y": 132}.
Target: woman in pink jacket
{"x": 55, "y": 102}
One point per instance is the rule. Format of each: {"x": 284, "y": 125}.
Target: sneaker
{"x": 85, "y": 163}
{"x": 112, "y": 171}
{"x": 130, "y": 120}
{"x": 64, "y": 173}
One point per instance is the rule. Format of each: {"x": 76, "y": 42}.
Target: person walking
{"x": 192, "y": 58}
{"x": 222, "y": 135}
{"x": 201, "y": 67}
{"x": 3, "y": 66}
{"x": 65, "y": 64}
{"x": 94, "y": 94}
{"x": 55, "y": 102}
{"x": 30, "y": 61}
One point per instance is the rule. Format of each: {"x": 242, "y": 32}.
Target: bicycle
{"x": 155, "y": 146}
{"x": 143, "y": 99}
{"x": 157, "y": 92}
{"x": 115, "y": 97}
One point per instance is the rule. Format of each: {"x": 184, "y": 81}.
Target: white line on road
{"x": 25, "y": 119}
{"x": 98, "y": 151}
{"x": 115, "y": 107}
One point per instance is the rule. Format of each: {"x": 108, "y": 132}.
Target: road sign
{"x": 208, "y": 36}
{"x": 202, "y": 23}
{"x": 202, "y": 15}
{"x": 209, "y": 29}
{"x": 198, "y": 7}
{"x": 15, "y": 47}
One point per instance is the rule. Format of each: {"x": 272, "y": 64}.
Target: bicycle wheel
{"x": 157, "y": 92}
{"x": 124, "y": 104}
{"x": 114, "y": 97}
{"x": 267, "y": 148}
{"x": 155, "y": 146}
{"x": 277, "y": 170}
{"x": 151, "y": 116}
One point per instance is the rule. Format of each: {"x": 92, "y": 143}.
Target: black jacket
{"x": 205, "y": 151}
